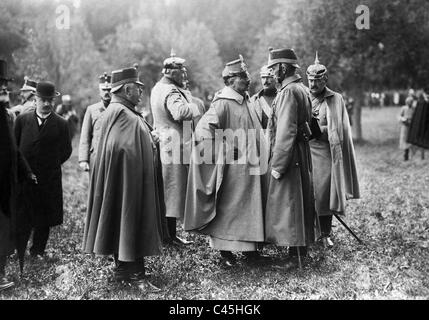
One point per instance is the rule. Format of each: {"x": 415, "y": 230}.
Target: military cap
{"x": 234, "y": 68}
{"x": 105, "y": 82}
{"x": 283, "y": 55}
{"x": 46, "y": 89}
{"x": 265, "y": 72}
{"x": 29, "y": 85}
{"x": 316, "y": 70}
{"x": 3, "y": 71}
{"x": 173, "y": 62}
{"x": 124, "y": 76}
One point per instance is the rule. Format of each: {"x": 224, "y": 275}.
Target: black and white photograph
{"x": 236, "y": 151}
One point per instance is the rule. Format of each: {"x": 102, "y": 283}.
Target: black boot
{"x": 406, "y": 154}
{"x": 174, "y": 239}
{"x": 4, "y": 282}
{"x": 227, "y": 258}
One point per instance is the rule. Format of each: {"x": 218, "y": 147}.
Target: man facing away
{"x": 174, "y": 112}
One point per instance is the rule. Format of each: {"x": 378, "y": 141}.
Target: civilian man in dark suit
{"x": 44, "y": 139}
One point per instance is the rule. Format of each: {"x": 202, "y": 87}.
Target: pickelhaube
{"x": 316, "y": 70}
{"x": 173, "y": 62}
{"x": 265, "y": 72}
{"x": 234, "y": 68}
{"x": 284, "y": 55}
{"x": 105, "y": 81}
{"x": 29, "y": 85}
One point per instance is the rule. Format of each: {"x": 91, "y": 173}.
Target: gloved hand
{"x": 84, "y": 165}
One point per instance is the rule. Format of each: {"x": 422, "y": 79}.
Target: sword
{"x": 348, "y": 229}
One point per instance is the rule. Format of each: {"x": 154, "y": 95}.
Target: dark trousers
{"x": 2, "y": 266}
{"x": 325, "y": 225}
{"x": 406, "y": 154}
{"x": 40, "y": 239}
{"x": 171, "y": 225}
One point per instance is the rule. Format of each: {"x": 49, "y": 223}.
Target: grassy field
{"x": 391, "y": 217}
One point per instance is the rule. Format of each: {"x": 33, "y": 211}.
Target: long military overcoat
{"x": 290, "y": 215}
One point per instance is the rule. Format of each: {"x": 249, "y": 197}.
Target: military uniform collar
{"x": 166, "y": 80}
{"x": 231, "y": 94}
{"x": 290, "y": 79}
{"x": 328, "y": 93}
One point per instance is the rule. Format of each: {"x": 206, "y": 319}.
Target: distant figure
{"x": 263, "y": 100}
{"x": 44, "y": 140}
{"x": 27, "y": 94}
{"x": 419, "y": 127}
{"x": 405, "y": 116}
{"x": 91, "y": 125}
{"x": 67, "y": 111}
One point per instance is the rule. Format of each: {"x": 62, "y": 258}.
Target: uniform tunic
{"x": 333, "y": 156}
{"x": 173, "y": 110}
{"x": 321, "y": 157}
{"x": 90, "y": 133}
{"x": 405, "y": 117}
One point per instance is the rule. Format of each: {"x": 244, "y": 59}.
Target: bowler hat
{"x": 3, "y": 71}
{"x": 124, "y": 76}
{"x": 234, "y": 68}
{"x": 105, "y": 81}
{"x": 283, "y": 55}
{"x": 46, "y": 89}
{"x": 29, "y": 85}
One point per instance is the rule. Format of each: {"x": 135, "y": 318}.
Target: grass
{"x": 391, "y": 217}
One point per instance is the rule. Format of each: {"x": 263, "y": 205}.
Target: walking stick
{"x": 348, "y": 229}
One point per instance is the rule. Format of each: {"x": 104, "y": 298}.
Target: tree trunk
{"x": 357, "y": 117}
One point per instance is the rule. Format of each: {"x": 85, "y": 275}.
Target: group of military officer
{"x": 143, "y": 177}
{"x": 305, "y": 164}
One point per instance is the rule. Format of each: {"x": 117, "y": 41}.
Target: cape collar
{"x": 231, "y": 94}
{"x": 289, "y": 80}
{"x": 125, "y": 102}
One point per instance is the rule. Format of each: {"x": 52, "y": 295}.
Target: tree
{"x": 388, "y": 55}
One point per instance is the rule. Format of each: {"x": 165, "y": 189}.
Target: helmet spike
{"x": 172, "y": 53}
{"x": 316, "y": 60}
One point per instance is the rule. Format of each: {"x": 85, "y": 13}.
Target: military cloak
{"x": 123, "y": 213}
{"x": 225, "y": 200}
{"x": 334, "y": 163}
{"x": 418, "y": 134}
{"x": 290, "y": 216}
{"x": 174, "y": 112}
